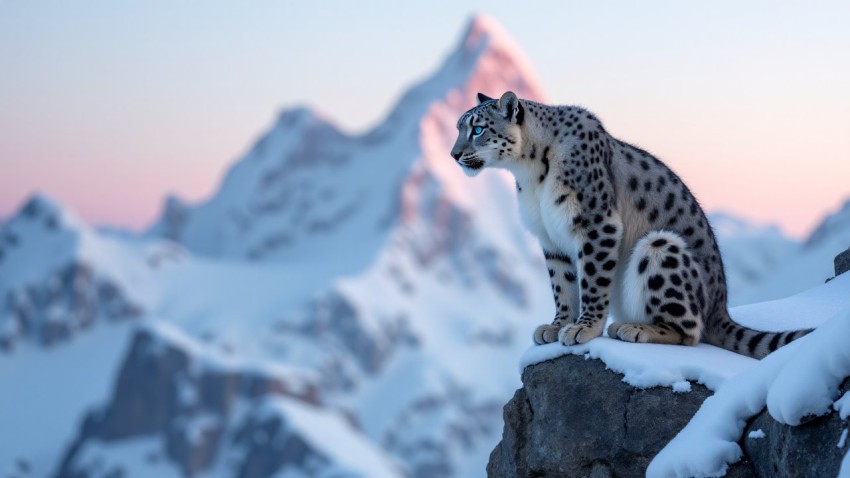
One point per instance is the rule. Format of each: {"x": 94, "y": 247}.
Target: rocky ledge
{"x": 575, "y": 418}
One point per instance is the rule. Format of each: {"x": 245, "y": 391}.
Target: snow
{"x": 48, "y": 237}
{"x": 810, "y": 264}
{"x": 347, "y": 450}
{"x": 844, "y": 472}
{"x": 842, "y": 440}
{"x": 756, "y": 434}
{"x": 200, "y": 424}
{"x": 797, "y": 381}
{"x": 751, "y": 252}
{"x": 682, "y": 387}
{"x": 842, "y": 405}
{"x": 804, "y": 310}
{"x": 45, "y": 394}
{"x": 134, "y": 457}
{"x": 652, "y": 365}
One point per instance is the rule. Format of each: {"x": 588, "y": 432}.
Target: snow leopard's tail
{"x": 728, "y": 334}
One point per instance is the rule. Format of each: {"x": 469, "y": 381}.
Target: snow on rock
{"x": 58, "y": 276}
{"x": 798, "y": 381}
{"x": 132, "y": 457}
{"x": 575, "y": 417}
{"x": 842, "y": 405}
{"x": 804, "y": 310}
{"x": 203, "y": 405}
{"x": 652, "y": 365}
{"x": 348, "y": 451}
{"x": 774, "y": 401}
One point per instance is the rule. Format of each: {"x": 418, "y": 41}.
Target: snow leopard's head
{"x": 489, "y": 134}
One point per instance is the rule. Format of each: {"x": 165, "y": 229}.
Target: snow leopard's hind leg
{"x": 663, "y": 292}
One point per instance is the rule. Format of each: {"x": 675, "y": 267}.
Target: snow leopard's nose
{"x": 456, "y": 154}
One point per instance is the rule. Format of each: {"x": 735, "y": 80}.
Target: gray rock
{"x": 842, "y": 262}
{"x": 809, "y": 449}
{"x": 575, "y": 418}
{"x": 162, "y": 388}
{"x": 72, "y": 300}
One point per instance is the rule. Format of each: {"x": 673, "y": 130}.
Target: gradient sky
{"x": 109, "y": 106}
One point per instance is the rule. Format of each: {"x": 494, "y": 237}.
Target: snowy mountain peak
{"x": 306, "y": 188}
{"x": 496, "y": 54}
{"x": 835, "y": 224}
{"x": 42, "y": 210}
{"x": 729, "y": 225}
{"x": 299, "y": 119}
{"x": 484, "y": 35}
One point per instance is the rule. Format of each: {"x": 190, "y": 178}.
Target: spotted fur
{"x": 620, "y": 231}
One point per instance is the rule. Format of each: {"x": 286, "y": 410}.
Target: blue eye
{"x": 477, "y": 130}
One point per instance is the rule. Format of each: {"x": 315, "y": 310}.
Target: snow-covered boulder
{"x": 575, "y": 417}
{"x": 609, "y": 408}
{"x": 813, "y": 448}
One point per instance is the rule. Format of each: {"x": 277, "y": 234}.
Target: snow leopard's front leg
{"x": 600, "y": 233}
{"x": 562, "y": 274}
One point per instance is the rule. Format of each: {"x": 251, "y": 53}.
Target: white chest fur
{"x": 547, "y": 210}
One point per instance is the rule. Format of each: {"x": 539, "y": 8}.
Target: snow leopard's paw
{"x": 578, "y": 333}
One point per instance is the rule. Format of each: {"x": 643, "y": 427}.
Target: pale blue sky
{"x": 129, "y": 100}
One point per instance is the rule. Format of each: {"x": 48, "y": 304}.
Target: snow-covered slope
{"x": 810, "y": 264}
{"x": 58, "y": 276}
{"x": 750, "y": 253}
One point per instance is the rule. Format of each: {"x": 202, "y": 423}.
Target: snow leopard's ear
{"x": 482, "y": 98}
{"x": 510, "y": 107}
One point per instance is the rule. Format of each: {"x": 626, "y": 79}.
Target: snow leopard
{"x": 621, "y": 233}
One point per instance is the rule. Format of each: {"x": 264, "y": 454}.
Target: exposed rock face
{"x": 842, "y": 262}
{"x": 809, "y": 449}
{"x": 73, "y": 299}
{"x": 575, "y": 418}
{"x": 166, "y": 390}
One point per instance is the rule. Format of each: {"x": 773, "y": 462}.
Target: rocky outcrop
{"x": 574, "y": 417}
{"x": 168, "y": 389}
{"x": 810, "y": 449}
{"x": 72, "y": 300}
{"x": 842, "y": 262}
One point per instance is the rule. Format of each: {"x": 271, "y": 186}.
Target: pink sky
{"x": 108, "y": 108}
